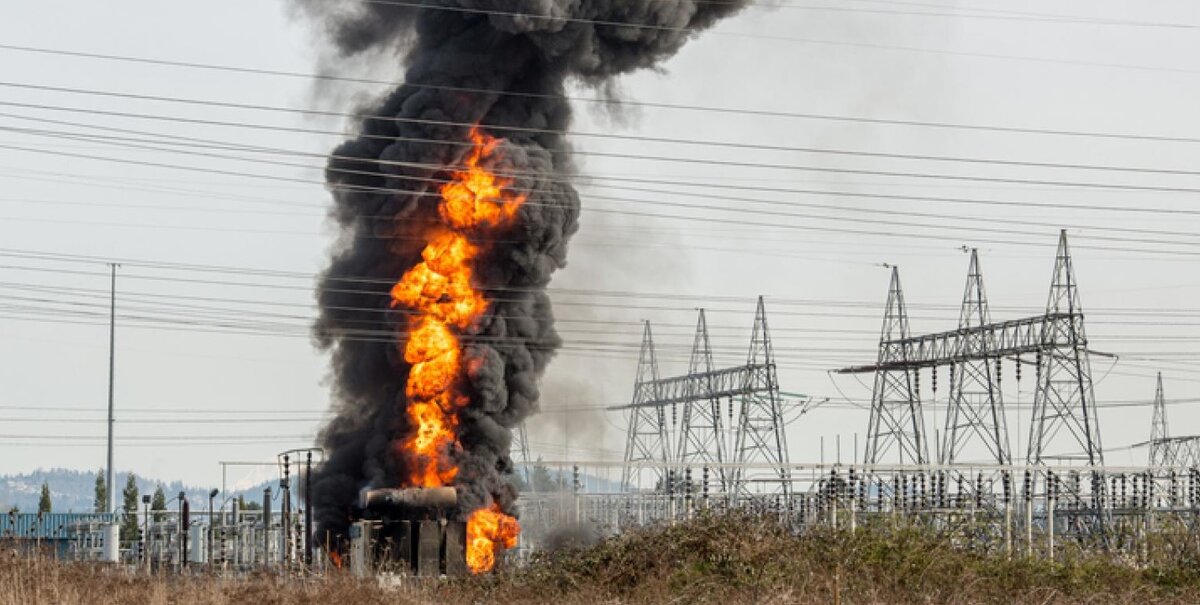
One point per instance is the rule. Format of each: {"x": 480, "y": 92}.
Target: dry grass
{"x": 720, "y": 560}
{"x": 27, "y": 581}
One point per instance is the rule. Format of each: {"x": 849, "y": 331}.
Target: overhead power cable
{"x": 802, "y": 204}
{"x": 687, "y": 301}
{"x": 599, "y": 100}
{"x": 645, "y": 214}
{"x": 504, "y": 128}
{"x": 687, "y": 30}
{"x": 585, "y": 153}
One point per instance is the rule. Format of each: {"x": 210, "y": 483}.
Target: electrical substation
{"x": 714, "y": 439}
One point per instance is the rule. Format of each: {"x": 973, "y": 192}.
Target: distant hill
{"x": 73, "y": 491}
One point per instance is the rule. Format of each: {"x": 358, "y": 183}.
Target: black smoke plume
{"x": 502, "y": 64}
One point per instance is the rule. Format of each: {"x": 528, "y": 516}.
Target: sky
{"x": 219, "y": 247}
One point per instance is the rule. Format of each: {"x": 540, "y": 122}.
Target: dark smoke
{"x": 572, "y": 536}
{"x": 525, "y": 51}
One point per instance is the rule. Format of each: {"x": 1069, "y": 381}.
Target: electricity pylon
{"x": 976, "y": 410}
{"x": 896, "y": 421}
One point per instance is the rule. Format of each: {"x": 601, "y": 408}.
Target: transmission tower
{"x": 701, "y": 440}
{"x": 976, "y": 411}
{"x": 759, "y": 438}
{"x": 1160, "y": 450}
{"x": 896, "y": 420}
{"x": 760, "y": 435}
{"x": 1165, "y": 450}
{"x": 1063, "y": 401}
{"x": 519, "y": 452}
{"x": 648, "y": 442}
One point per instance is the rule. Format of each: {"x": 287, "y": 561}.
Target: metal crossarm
{"x": 723, "y": 383}
{"x": 1011, "y": 338}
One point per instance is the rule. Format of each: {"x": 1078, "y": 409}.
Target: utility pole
{"x": 308, "y": 551}
{"x": 112, "y": 548}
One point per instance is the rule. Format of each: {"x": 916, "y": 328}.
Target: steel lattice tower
{"x": 1160, "y": 454}
{"x": 760, "y": 435}
{"x": 701, "y": 440}
{"x": 1063, "y": 400}
{"x": 1165, "y": 450}
{"x": 648, "y": 442}
{"x": 896, "y": 418}
{"x": 519, "y": 452}
{"x": 976, "y": 410}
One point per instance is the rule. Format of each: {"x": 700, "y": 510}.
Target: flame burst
{"x": 488, "y": 530}
{"x": 444, "y": 304}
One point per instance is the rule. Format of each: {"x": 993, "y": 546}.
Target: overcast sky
{"x": 214, "y": 360}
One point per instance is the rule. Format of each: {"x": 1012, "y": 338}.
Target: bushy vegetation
{"x": 726, "y": 560}
{"x": 735, "y": 559}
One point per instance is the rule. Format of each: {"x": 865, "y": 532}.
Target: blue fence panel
{"x": 50, "y": 526}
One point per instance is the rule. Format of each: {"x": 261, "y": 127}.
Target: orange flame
{"x": 489, "y": 530}
{"x": 440, "y": 293}
{"x": 469, "y": 200}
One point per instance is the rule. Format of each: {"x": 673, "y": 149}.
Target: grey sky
{"x": 825, "y": 289}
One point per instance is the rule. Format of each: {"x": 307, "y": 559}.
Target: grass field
{"x": 720, "y": 560}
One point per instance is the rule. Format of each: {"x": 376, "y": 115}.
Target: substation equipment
{"x": 699, "y": 436}
{"x": 409, "y": 531}
{"x": 713, "y": 439}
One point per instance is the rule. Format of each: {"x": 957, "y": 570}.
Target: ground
{"x": 716, "y": 559}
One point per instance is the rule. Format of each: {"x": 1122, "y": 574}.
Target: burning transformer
{"x": 409, "y": 531}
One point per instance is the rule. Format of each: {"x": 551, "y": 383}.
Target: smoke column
{"x": 501, "y": 65}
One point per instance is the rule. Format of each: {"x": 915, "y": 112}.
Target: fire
{"x": 487, "y": 530}
{"x": 443, "y": 302}
{"x": 470, "y": 198}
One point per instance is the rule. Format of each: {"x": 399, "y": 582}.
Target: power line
{"x": 591, "y": 294}
{"x": 686, "y": 183}
{"x": 672, "y": 204}
{"x": 578, "y": 345}
{"x": 687, "y": 30}
{"x": 497, "y": 127}
{"x": 208, "y": 143}
{"x": 167, "y": 421}
{"x": 586, "y": 153}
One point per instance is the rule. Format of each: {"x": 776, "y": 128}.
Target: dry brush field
{"x": 726, "y": 560}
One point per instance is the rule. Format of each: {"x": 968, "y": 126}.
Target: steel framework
{"x": 754, "y": 407}
{"x": 1063, "y": 400}
{"x": 519, "y": 452}
{"x": 896, "y": 420}
{"x": 701, "y": 436}
{"x": 1160, "y": 454}
{"x": 647, "y": 444}
{"x": 1165, "y": 450}
{"x": 976, "y": 410}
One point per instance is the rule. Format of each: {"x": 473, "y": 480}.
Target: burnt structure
{"x": 409, "y": 531}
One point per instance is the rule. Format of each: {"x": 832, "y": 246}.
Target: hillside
{"x": 74, "y": 491}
